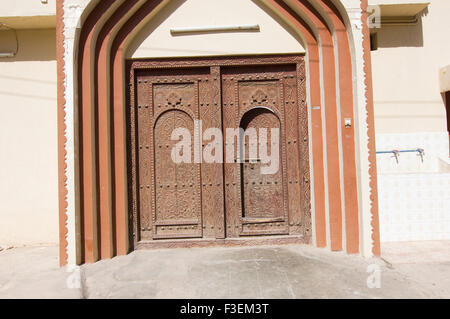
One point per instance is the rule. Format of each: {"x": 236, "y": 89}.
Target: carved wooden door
{"x": 257, "y": 202}
{"x": 244, "y": 193}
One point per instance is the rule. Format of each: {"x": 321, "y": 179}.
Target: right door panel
{"x": 262, "y": 184}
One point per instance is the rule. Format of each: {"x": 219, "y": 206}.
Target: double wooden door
{"x": 194, "y": 174}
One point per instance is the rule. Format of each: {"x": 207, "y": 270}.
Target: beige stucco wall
{"x": 28, "y": 14}
{"x": 155, "y": 40}
{"x": 406, "y": 73}
{"x": 28, "y": 8}
{"x": 28, "y": 142}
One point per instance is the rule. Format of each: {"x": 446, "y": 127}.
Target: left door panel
{"x": 168, "y": 193}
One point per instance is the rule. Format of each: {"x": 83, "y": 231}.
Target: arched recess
{"x": 166, "y": 173}
{"x": 105, "y": 36}
{"x": 266, "y": 201}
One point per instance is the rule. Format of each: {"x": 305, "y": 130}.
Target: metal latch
{"x": 252, "y": 162}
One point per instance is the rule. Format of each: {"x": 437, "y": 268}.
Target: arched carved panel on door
{"x": 253, "y": 94}
{"x": 177, "y": 203}
{"x": 262, "y": 194}
{"x": 168, "y": 200}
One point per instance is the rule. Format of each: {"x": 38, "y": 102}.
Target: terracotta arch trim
{"x": 96, "y": 190}
{"x": 344, "y": 67}
{"x": 329, "y": 83}
{"x": 371, "y": 131}
{"x": 105, "y": 179}
{"x": 316, "y": 121}
{"x": 106, "y": 125}
{"x": 87, "y": 141}
{"x": 348, "y": 136}
{"x": 119, "y": 120}
{"x": 62, "y": 140}
{"x": 93, "y": 246}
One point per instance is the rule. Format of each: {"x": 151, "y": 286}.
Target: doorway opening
{"x": 231, "y": 200}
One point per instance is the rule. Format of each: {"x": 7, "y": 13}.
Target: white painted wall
{"x": 28, "y": 142}
{"x": 435, "y": 145}
{"x": 155, "y": 39}
{"x": 414, "y": 196}
{"x": 414, "y": 207}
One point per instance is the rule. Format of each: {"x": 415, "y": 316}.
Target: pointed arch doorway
{"x": 231, "y": 201}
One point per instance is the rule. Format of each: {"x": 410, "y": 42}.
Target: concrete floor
{"x": 407, "y": 270}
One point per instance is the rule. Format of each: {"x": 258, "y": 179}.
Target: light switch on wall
{"x": 348, "y": 122}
